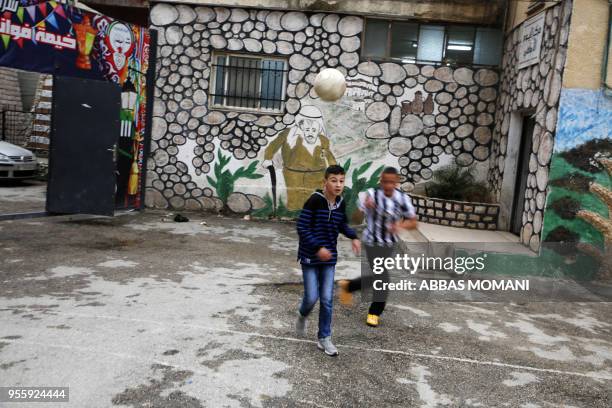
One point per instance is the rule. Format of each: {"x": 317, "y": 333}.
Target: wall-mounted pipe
{"x": 604, "y": 68}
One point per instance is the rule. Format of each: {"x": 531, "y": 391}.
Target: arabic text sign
{"x": 40, "y": 35}
{"x": 530, "y": 44}
{"x": 9, "y": 5}
{"x": 48, "y": 37}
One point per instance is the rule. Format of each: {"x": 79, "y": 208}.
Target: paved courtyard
{"x": 22, "y": 196}
{"x": 133, "y": 311}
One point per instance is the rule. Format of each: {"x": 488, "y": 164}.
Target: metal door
{"x": 85, "y": 129}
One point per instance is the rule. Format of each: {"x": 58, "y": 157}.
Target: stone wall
{"x": 536, "y": 87}
{"x": 456, "y": 213}
{"x": 41, "y": 109}
{"x": 10, "y": 100}
{"x": 10, "y": 89}
{"x": 412, "y": 116}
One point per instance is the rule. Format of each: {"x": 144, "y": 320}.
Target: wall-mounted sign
{"x": 530, "y": 44}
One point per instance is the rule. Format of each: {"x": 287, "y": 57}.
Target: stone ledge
{"x": 461, "y": 214}
{"x": 469, "y": 12}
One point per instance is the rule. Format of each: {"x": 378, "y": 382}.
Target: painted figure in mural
{"x": 305, "y": 152}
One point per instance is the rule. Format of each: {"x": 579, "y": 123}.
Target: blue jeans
{"x": 319, "y": 284}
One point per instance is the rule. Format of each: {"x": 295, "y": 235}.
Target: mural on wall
{"x": 579, "y": 206}
{"x": 411, "y": 116}
{"x": 61, "y": 39}
{"x": 225, "y": 179}
{"x": 305, "y": 153}
{"x": 536, "y": 89}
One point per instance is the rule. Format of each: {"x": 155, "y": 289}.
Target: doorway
{"x": 516, "y": 170}
{"x": 522, "y": 174}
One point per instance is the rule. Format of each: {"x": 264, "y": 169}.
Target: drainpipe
{"x": 604, "y": 71}
{"x": 506, "y": 6}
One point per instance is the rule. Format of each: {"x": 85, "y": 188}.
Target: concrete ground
{"x": 22, "y": 196}
{"x": 137, "y": 312}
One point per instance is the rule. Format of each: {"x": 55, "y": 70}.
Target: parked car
{"x": 17, "y": 162}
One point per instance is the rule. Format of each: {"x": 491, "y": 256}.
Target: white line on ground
{"x": 346, "y": 346}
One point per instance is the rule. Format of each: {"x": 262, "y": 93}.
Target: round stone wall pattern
{"x": 419, "y": 111}
{"x": 538, "y": 88}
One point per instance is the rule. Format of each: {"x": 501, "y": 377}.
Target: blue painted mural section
{"x": 584, "y": 115}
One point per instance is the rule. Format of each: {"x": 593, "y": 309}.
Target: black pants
{"x": 377, "y": 307}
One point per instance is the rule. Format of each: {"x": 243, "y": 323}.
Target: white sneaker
{"x": 327, "y": 346}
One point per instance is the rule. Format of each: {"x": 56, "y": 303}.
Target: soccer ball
{"x": 330, "y": 84}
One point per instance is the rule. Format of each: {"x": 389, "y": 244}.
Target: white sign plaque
{"x": 530, "y": 43}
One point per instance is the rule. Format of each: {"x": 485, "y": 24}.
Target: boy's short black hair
{"x": 334, "y": 169}
{"x": 390, "y": 170}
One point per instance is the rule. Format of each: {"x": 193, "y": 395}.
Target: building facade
{"x": 237, "y": 124}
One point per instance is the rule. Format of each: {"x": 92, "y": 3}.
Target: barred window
{"x": 248, "y": 82}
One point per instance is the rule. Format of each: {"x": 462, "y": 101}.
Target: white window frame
{"x": 213, "y": 79}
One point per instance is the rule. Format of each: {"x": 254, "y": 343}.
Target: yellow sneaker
{"x": 345, "y": 297}
{"x": 372, "y": 320}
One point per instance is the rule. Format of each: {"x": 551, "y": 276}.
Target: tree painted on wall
{"x": 580, "y": 203}
{"x": 601, "y": 223}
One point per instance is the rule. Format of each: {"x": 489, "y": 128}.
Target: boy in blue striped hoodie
{"x": 320, "y": 221}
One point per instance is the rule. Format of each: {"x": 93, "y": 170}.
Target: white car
{"x": 17, "y": 162}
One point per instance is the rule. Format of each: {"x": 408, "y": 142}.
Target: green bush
{"x": 458, "y": 183}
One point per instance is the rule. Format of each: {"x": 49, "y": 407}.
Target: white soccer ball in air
{"x": 330, "y": 84}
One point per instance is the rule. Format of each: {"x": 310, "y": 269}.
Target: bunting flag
{"x": 19, "y": 42}
{"x": 20, "y": 14}
{"x": 43, "y": 9}
{"x": 41, "y": 25}
{"x": 6, "y": 39}
{"x": 52, "y": 20}
{"x": 53, "y": 4}
{"x": 59, "y": 10}
{"x": 31, "y": 12}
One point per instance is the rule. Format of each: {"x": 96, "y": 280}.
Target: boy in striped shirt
{"x": 320, "y": 221}
{"x": 386, "y": 210}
